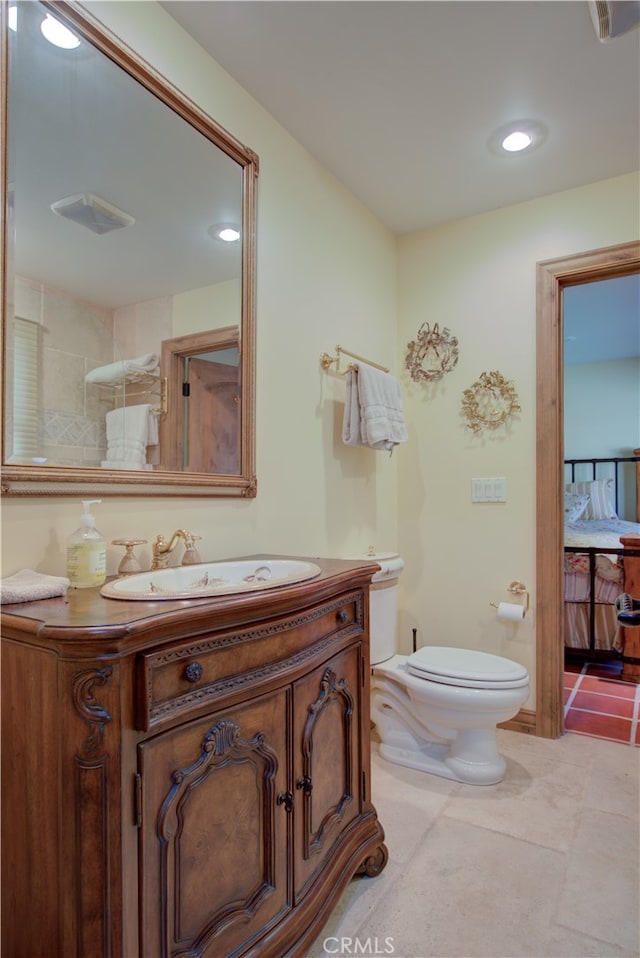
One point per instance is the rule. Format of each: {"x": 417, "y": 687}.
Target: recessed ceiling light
{"x": 12, "y": 18}
{"x": 516, "y": 141}
{"x": 227, "y": 232}
{"x": 521, "y": 136}
{"x": 56, "y": 33}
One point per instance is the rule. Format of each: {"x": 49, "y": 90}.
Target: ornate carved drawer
{"x": 177, "y": 680}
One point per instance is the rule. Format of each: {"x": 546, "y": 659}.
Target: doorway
{"x": 553, "y": 276}
{"x": 201, "y": 430}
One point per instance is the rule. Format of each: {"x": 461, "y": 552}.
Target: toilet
{"x": 437, "y": 710}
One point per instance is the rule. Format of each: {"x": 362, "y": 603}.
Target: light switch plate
{"x": 489, "y": 490}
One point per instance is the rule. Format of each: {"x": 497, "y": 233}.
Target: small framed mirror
{"x": 128, "y": 232}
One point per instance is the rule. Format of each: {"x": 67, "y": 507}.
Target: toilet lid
{"x": 467, "y": 668}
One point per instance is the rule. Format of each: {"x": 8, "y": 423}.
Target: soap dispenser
{"x": 86, "y": 552}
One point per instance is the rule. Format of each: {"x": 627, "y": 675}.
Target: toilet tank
{"x": 383, "y": 605}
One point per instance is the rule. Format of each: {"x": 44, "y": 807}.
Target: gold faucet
{"x": 161, "y": 549}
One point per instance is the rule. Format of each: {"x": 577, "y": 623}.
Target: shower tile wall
{"x": 76, "y": 337}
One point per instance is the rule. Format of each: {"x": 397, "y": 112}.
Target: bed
{"x": 601, "y": 556}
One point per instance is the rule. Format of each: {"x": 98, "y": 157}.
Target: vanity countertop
{"x": 84, "y": 615}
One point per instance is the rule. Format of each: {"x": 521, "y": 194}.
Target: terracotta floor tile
{"x": 570, "y": 679}
{"x": 600, "y": 726}
{"x": 605, "y": 704}
{"x": 573, "y": 667}
{"x": 592, "y": 683}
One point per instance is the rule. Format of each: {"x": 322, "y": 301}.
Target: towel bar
{"x": 326, "y": 361}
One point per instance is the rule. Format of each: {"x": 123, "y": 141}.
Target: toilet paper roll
{"x": 510, "y": 612}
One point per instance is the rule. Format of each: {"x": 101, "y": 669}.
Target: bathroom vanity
{"x": 186, "y": 777}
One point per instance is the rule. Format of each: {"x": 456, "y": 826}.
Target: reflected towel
{"x": 373, "y": 414}
{"x": 132, "y": 424}
{"x": 29, "y": 586}
{"x": 146, "y": 365}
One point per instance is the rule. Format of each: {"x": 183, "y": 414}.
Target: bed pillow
{"x": 574, "y": 505}
{"x": 600, "y": 493}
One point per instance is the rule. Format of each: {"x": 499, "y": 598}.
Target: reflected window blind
{"x": 25, "y": 387}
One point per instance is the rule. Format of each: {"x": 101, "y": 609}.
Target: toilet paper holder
{"x": 516, "y": 588}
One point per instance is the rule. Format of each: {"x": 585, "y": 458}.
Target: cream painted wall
{"x": 329, "y": 273}
{"x": 325, "y": 275}
{"x": 212, "y": 307}
{"x": 477, "y": 277}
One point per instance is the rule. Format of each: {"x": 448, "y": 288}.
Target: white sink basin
{"x": 211, "y": 579}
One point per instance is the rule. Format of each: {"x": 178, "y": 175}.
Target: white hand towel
{"x": 132, "y": 424}
{"x": 147, "y": 364}
{"x": 351, "y": 423}
{"x": 132, "y": 448}
{"x": 373, "y": 413}
{"x": 29, "y": 586}
{"x": 130, "y": 429}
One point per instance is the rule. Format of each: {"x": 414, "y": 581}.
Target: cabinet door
{"x": 214, "y": 834}
{"x": 326, "y": 757}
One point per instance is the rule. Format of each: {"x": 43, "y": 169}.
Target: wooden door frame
{"x": 552, "y": 276}
{"x": 173, "y": 354}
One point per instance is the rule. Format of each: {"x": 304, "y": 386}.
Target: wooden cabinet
{"x": 185, "y": 778}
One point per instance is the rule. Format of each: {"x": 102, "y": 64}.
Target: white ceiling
{"x": 399, "y": 99}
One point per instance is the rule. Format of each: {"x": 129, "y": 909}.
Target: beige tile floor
{"x": 544, "y": 864}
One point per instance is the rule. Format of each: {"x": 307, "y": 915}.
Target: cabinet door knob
{"x": 193, "y": 672}
{"x": 342, "y": 615}
{"x": 305, "y": 783}
{"x": 286, "y": 799}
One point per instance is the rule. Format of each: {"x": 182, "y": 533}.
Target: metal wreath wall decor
{"x": 489, "y": 402}
{"x": 431, "y": 354}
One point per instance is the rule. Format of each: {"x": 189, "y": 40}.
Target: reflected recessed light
{"x": 12, "y": 18}
{"x": 56, "y": 33}
{"x": 227, "y": 232}
{"x": 521, "y": 136}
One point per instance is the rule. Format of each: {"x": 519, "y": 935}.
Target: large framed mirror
{"x": 128, "y": 225}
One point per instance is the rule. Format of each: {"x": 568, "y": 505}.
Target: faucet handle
{"x": 191, "y": 555}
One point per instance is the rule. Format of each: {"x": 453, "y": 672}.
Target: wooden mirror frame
{"x": 552, "y": 278}
{"x": 21, "y": 480}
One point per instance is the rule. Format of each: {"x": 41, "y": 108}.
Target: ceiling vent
{"x": 94, "y": 213}
{"x": 612, "y": 18}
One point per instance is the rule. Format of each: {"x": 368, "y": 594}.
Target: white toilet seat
{"x": 466, "y": 668}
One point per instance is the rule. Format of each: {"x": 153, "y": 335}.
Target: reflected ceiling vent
{"x": 91, "y": 211}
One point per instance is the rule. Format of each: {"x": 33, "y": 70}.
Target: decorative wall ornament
{"x": 431, "y": 354}
{"x": 489, "y": 402}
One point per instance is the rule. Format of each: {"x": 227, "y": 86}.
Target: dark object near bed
{"x": 628, "y": 610}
